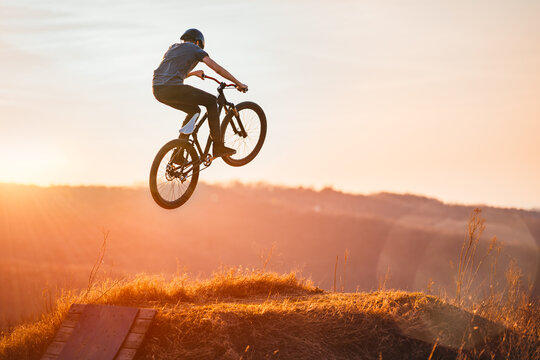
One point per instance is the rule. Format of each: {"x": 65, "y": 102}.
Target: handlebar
{"x": 222, "y": 85}
{"x": 219, "y": 82}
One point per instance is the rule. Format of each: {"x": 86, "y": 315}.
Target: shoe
{"x": 222, "y": 150}
{"x": 178, "y": 157}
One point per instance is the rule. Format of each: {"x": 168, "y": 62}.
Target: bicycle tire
{"x": 231, "y": 137}
{"x": 157, "y": 173}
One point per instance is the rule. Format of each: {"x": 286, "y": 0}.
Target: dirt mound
{"x": 255, "y": 315}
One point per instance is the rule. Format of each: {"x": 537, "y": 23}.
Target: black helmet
{"x": 193, "y": 35}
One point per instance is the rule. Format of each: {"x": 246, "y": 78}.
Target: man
{"x": 169, "y": 88}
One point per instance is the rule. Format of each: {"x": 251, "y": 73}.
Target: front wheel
{"x": 174, "y": 174}
{"x": 245, "y": 133}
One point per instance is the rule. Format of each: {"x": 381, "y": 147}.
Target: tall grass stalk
{"x": 335, "y": 274}
{"x": 346, "y": 256}
{"x": 465, "y": 276}
{"x": 97, "y": 264}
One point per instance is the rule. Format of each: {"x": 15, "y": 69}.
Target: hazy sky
{"x": 430, "y": 97}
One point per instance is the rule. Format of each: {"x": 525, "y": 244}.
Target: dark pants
{"x": 187, "y": 98}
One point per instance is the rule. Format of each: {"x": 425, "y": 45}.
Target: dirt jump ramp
{"x": 100, "y": 332}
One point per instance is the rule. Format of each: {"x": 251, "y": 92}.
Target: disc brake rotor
{"x": 172, "y": 174}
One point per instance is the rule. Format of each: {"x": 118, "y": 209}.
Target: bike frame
{"x": 223, "y": 104}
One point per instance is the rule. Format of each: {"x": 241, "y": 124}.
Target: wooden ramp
{"x": 100, "y": 332}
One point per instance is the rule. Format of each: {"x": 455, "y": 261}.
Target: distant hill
{"x": 50, "y": 238}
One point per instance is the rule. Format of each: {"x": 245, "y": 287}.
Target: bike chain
{"x": 204, "y": 168}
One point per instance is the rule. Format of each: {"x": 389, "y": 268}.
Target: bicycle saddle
{"x": 190, "y": 126}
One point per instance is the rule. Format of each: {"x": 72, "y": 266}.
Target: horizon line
{"x": 260, "y": 183}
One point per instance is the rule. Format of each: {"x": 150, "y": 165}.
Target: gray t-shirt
{"x": 177, "y": 62}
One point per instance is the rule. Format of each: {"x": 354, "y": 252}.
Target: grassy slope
{"x": 50, "y": 238}
{"x": 255, "y": 315}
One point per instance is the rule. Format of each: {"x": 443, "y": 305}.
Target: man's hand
{"x": 242, "y": 87}
{"x": 198, "y": 73}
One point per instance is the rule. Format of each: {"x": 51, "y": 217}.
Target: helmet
{"x": 193, "y": 35}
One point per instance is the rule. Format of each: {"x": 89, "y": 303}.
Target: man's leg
{"x": 193, "y": 96}
{"x": 199, "y": 97}
{"x": 185, "y": 95}
{"x": 168, "y": 96}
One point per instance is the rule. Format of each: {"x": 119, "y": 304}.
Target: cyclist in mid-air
{"x": 169, "y": 88}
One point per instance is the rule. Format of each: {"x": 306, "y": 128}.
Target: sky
{"x": 438, "y": 98}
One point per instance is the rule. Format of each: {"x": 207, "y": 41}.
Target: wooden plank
{"x": 126, "y": 354}
{"x": 49, "y": 357}
{"x": 140, "y": 326}
{"x": 100, "y": 332}
{"x": 63, "y": 334}
{"x": 76, "y": 308}
{"x": 136, "y": 335}
{"x": 146, "y": 314}
{"x": 73, "y": 317}
{"x": 55, "y": 348}
{"x": 133, "y": 341}
{"x": 70, "y": 323}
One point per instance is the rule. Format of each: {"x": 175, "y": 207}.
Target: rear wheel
{"x": 245, "y": 133}
{"x": 172, "y": 183}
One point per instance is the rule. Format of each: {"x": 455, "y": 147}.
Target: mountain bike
{"x": 175, "y": 171}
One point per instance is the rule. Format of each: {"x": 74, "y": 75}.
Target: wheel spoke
{"x": 244, "y": 146}
{"x": 169, "y": 186}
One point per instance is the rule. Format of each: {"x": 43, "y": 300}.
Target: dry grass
{"x": 511, "y": 305}
{"x": 28, "y": 341}
{"x": 243, "y": 314}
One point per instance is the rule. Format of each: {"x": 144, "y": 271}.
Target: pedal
{"x": 208, "y": 160}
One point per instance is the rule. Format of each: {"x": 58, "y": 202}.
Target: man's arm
{"x": 221, "y": 71}
{"x": 198, "y": 73}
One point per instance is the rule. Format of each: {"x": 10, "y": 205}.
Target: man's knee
{"x": 189, "y": 109}
{"x": 210, "y": 101}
